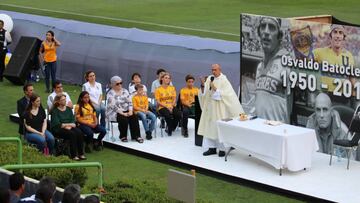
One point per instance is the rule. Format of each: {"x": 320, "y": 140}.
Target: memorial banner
{"x": 302, "y": 73}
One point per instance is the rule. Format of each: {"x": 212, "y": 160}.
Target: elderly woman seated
{"x": 119, "y": 108}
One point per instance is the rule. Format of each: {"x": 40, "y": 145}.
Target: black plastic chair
{"x": 346, "y": 113}
{"x": 352, "y": 144}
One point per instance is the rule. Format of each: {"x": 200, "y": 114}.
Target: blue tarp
{"x": 122, "y": 51}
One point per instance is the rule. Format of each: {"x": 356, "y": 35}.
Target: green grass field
{"x": 207, "y": 15}
{"x": 206, "y": 18}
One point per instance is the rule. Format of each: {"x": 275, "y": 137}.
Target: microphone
{"x": 211, "y": 80}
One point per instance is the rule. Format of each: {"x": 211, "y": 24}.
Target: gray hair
{"x": 115, "y": 79}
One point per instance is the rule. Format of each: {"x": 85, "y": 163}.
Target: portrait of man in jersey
{"x": 273, "y": 101}
{"x": 335, "y": 54}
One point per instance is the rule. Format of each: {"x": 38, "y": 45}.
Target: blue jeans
{"x": 145, "y": 117}
{"x": 41, "y": 141}
{"x": 50, "y": 69}
{"x": 100, "y": 110}
{"x": 89, "y": 132}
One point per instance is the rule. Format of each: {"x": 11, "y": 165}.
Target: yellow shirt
{"x": 345, "y": 58}
{"x": 140, "y": 101}
{"x": 88, "y": 114}
{"x": 49, "y": 52}
{"x": 166, "y": 96}
{"x": 187, "y": 95}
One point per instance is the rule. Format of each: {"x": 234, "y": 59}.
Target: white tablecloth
{"x": 282, "y": 146}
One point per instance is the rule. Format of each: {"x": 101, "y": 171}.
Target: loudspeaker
{"x": 23, "y": 60}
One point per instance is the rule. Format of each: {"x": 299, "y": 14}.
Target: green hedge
{"x": 62, "y": 177}
{"x": 135, "y": 191}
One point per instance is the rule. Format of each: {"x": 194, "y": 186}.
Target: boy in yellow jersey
{"x": 187, "y": 97}
{"x": 141, "y": 109}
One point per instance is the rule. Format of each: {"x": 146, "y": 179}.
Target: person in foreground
{"x": 17, "y": 186}
{"x": 4, "y": 195}
{"x": 71, "y": 194}
{"x": 218, "y": 100}
{"x": 45, "y": 192}
{"x": 91, "y": 199}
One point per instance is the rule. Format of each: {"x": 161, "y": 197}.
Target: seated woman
{"x": 95, "y": 91}
{"x": 86, "y": 117}
{"x": 119, "y": 108}
{"x": 63, "y": 125}
{"x": 35, "y": 124}
{"x": 165, "y": 96}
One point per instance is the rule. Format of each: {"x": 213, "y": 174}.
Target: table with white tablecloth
{"x": 282, "y": 146}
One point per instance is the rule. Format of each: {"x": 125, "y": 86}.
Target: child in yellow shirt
{"x": 187, "y": 97}
{"x": 86, "y": 118}
{"x": 141, "y": 109}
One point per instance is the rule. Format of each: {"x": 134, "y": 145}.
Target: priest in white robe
{"x": 218, "y": 101}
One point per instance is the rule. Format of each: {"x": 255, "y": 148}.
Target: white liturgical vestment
{"x": 215, "y": 105}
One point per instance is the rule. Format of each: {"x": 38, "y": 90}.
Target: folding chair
{"x": 352, "y": 144}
